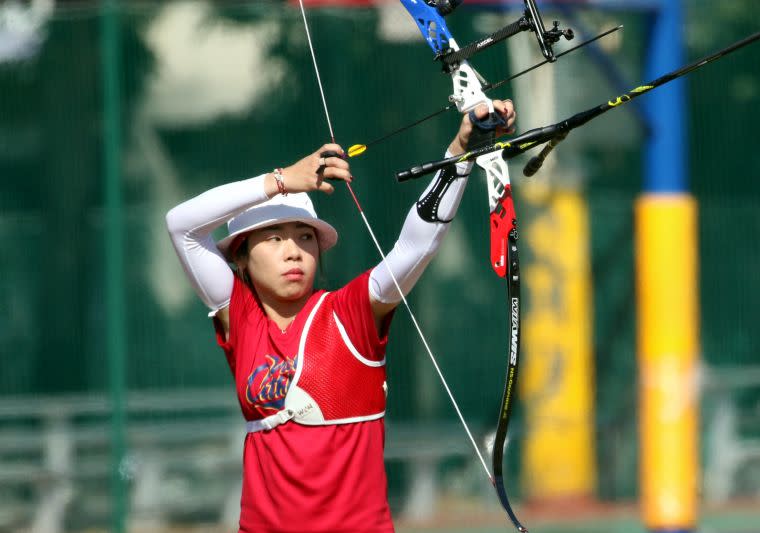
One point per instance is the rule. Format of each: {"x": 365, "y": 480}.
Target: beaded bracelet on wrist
{"x": 277, "y": 173}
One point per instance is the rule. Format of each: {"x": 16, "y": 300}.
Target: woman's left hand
{"x": 505, "y": 108}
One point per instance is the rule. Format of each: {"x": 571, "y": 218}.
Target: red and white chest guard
{"x": 334, "y": 383}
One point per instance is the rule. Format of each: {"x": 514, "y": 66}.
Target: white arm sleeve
{"x": 417, "y": 243}
{"x": 190, "y": 225}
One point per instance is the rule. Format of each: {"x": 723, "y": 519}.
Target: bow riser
{"x": 500, "y": 207}
{"x": 467, "y": 93}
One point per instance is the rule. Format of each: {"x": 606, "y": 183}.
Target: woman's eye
{"x": 274, "y": 238}
{"x": 307, "y": 236}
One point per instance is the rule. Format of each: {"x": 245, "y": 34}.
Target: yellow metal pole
{"x": 557, "y": 381}
{"x": 668, "y": 351}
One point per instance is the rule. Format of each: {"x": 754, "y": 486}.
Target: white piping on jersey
{"x": 302, "y": 342}
{"x": 350, "y": 420}
{"x": 352, "y": 349}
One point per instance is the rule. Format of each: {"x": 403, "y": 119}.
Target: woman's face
{"x": 282, "y": 260}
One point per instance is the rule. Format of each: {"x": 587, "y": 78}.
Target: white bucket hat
{"x": 278, "y": 210}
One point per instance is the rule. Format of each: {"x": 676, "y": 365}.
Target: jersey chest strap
{"x": 270, "y": 422}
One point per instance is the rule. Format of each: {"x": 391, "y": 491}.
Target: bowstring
{"x": 382, "y": 255}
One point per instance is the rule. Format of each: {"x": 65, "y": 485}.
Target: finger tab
{"x": 329, "y": 153}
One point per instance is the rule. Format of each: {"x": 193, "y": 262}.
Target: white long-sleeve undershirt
{"x": 190, "y": 226}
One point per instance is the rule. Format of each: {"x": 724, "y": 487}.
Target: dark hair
{"x": 241, "y": 255}
{"x": 241, "y": 251}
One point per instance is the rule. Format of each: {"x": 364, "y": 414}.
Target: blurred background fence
{"x": 210, "y": 92}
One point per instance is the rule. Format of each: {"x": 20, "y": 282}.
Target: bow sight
{"x": 530, "y": 21}
{"x": 545, "y": 38}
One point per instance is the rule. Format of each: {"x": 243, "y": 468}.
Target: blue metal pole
{"x": 665, "y": 166}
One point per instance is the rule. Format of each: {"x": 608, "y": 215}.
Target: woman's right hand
{"x": 312, "y": 172}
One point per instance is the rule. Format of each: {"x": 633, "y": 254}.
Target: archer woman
{"x": 309, "y": 365}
